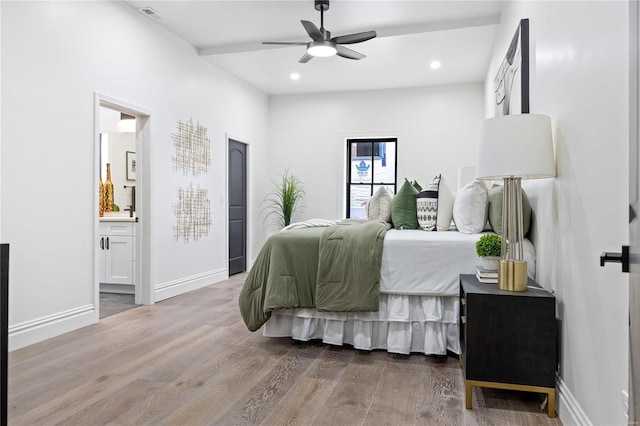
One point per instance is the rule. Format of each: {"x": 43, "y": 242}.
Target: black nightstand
{"x": 508, "y": 339}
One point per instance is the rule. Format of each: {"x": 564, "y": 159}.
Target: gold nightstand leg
{"x": 468, "y": 391}
{"x": 551, "y": 403}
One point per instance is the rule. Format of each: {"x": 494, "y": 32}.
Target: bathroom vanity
{"x": 116, "y": 242}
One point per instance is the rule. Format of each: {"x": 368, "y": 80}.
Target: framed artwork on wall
{"x": 131, "y": 165}
{"x": 511, "y": 84}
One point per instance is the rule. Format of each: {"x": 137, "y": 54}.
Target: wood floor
{"x": 190, "y": 360}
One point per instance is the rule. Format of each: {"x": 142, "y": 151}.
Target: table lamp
{"x": 512, "y": 148}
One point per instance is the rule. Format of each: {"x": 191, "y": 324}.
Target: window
{"x": 371, "y": 163}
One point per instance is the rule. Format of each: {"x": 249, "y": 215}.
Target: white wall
{"x": 579, "y": 77}
{"x": 437, "y": 129}
{"x": 55, "y": 56}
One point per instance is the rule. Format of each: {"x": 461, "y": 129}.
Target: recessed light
{"x": 435, "y": 65}
{"x": 294, "y": 76}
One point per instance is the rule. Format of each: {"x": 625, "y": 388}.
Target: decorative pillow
{"x": 446, "y": 198}
{"x": 417, "y": 186}
{"x": 379, "y": 205}
{"x": 495, "y": 210}
{"x": 427, "y": 205}
{"x": 471, "y": 207}
{"x": 435, "y": 205}
{"x": 403, "y": 207}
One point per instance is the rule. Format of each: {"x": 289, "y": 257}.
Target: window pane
{"x": 361, "y": 170}
{"x": 385, "y": 163}
{"x": 371, "y": 165}
{"x": 362, "y": 149}
{"x": 359, "y": 197}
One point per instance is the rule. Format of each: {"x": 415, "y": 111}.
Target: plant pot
{"x": 490, "y": 263}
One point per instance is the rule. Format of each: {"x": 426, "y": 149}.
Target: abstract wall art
{"x": 192, "y": 148}
{"x": 511, "y": 84}
{"x": 193, "y": 214}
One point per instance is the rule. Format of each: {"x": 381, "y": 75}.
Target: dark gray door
{"x": 237, "y": 207}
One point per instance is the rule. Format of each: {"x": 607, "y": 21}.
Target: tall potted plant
{"x": 284, "y": 199}
{"x": 489, "y": 248}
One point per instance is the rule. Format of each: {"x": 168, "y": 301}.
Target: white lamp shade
{"x": 518, "y": 145}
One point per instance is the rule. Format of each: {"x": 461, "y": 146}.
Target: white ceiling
{"x": 411, "y": 34}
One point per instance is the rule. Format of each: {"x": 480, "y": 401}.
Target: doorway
{"x": 123, "y": 238}
{"x": 633, "y": 404}
{"x": 237, "y": 207}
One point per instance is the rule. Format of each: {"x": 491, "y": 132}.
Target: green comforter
{"x": 334, "y": 268}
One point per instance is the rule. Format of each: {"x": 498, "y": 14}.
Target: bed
{"x": 418, "y": 294}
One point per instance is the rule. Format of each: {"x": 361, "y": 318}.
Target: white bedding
{"x": 404, "y": 324}
{"x": 419, "y": 303}
{"x": 425, "y": 263}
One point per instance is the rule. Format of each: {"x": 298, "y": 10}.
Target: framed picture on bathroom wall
{"x": 131, "y": 165}
{"x": 511, "y": 84}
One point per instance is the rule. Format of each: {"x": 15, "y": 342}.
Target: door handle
{"x": 107, "y": 243}
{"x": 616, "y": 258}
{"x": 102, "y": 243}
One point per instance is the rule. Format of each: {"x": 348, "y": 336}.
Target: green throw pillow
{"x": 495, "y": 210}
{"x": 417, "y": 186}
{"x": 404, "y": 213}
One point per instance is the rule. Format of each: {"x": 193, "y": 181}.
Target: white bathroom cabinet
{"x": 116, "y": 245}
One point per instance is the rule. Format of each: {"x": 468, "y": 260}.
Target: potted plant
{"x": 489, "y": 248}
{"x": 284, "y": 199}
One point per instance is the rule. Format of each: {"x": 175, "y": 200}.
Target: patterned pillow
{"x": 427, "y": 205}
{"x": 434, "y": 206}
{"x": 379, "y": 205}
{"x": 403, "y": 207}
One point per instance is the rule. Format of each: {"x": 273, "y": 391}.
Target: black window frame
{"x": 375, "y": 149}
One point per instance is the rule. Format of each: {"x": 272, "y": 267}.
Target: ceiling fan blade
{"x": 312, "y": 30}
{"x": 287, "y": 43}
{"x": 354, "y": 38}
{"x": 348, "y": 53}
{"x": 305, "y": 58}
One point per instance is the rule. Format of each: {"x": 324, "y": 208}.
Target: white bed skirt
{"x": 404, "y": 324}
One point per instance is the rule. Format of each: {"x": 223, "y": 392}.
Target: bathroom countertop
{"x": 118, "y": 217}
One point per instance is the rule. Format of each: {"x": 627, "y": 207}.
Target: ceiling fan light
{"x": 321, "y": 48}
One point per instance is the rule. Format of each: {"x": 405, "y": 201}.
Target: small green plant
{"x": 489, "y": 245}
{"x": 284, "y": 199}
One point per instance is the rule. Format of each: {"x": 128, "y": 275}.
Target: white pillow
{"x": 471, "y": 207}
{"x": 445, "y": 206}
{"x": 379, "y": 205}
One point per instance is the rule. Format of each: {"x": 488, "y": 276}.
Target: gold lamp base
{"x": 512, "y": 275}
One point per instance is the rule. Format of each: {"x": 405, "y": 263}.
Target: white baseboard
{"x": 30, "y": 332}
{"x": 569, "y": 411}
{"x": 194, "y": 282}
{"x": 34, "y": 331}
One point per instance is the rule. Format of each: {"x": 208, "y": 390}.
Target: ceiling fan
{"x": 322, "y": 45}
